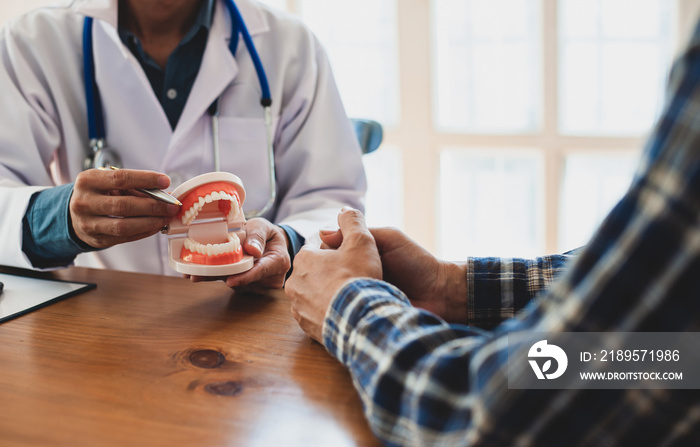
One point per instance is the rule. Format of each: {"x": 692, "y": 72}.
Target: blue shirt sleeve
{"x": 48, "y": 239}
{"x": 499, "y": 287}
{"x": 295, "y": 242}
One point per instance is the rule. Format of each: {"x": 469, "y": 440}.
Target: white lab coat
{"x": 43, "y": 123}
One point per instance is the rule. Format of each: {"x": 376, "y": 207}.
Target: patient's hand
{"x": 431, "y": 284}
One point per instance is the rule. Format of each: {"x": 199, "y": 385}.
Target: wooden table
{"x": 153, "y": 360}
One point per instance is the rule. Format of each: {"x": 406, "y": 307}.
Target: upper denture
{"x": 224, "y": 194}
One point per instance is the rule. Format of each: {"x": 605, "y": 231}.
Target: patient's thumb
{"x": 331, "y": 238}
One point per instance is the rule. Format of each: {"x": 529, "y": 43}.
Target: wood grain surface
{"x": 153, "y": 360}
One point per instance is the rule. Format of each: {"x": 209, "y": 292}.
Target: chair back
{"x": 369, "y": 134}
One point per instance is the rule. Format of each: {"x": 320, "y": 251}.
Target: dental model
{"x": 211, "y": 205}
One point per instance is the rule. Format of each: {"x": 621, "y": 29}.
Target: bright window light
{"x": 491, "y": 203}
{"x": 614, "y": 59}
{"x": 593, "y": 183}
{"x": 384, "y": 202}
{"x": 487, "y": 65}
{"x": 361, "y": 38}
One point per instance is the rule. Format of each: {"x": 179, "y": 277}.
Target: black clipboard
{"x": 23, "y": 294}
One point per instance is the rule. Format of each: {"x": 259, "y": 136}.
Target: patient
{"x": 388, "y": 311}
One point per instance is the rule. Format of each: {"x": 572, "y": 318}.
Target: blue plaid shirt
{"x": 426, "y": 382}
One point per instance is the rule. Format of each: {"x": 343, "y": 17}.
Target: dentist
{"x": 159, "y": 69}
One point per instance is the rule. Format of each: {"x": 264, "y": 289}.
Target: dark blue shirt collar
{"x": 203, "y": 21}
{"x": 173, "y": 83}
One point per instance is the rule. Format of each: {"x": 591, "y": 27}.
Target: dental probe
{"x": 157, "y": 193}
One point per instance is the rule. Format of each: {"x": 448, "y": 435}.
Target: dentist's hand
{"x": 267, "y": 243}
{"x": 105, "y": 210}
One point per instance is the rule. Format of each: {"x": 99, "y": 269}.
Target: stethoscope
{"x": 102, "y": 156}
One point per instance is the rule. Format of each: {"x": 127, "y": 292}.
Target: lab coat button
{"x": 172, "y": 93}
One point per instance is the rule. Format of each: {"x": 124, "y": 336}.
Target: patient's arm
{"x": 499, "y": 287}
{"x": 481, "y": 292}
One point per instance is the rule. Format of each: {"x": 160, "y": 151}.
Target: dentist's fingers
{"x": 268, "y": 244}
{"x": 101, "y": 218}
{"x": 125, "y": 206}
{"x": 124, "y": 179}
{"x": 258, "y": 231}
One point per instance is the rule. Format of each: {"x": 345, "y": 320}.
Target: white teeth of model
{"x": 192, "y": 213}
{"x": 214, "y": 249}
{"x": 234, "y": 209}
{"x": 189, "y": 216}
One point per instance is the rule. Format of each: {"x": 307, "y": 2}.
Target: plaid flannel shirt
{"x": 425, "y": 382}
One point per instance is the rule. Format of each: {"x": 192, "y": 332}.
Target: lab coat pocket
{"x": 243, "y": 145}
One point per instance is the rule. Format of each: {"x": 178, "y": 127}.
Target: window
{"x": 570, "y": 87}
{"x": 384, "y": 205}
{"x": 488, "y": 65}
{"x": 514, "y": 125}
{"x": 610, "y": 52}
{"x": 360, "y": 37}
{"x": 593, "y": 182}
{"x": 490, "y": 202}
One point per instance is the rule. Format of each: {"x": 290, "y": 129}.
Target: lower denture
{"x": 226, "y": 205}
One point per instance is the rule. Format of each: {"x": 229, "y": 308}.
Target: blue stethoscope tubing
{"x": 102, "y": 156}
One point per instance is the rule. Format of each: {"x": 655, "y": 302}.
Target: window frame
{"x": 421, "y": 142}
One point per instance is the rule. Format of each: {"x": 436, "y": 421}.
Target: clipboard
{"x": 23, "y": 294}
